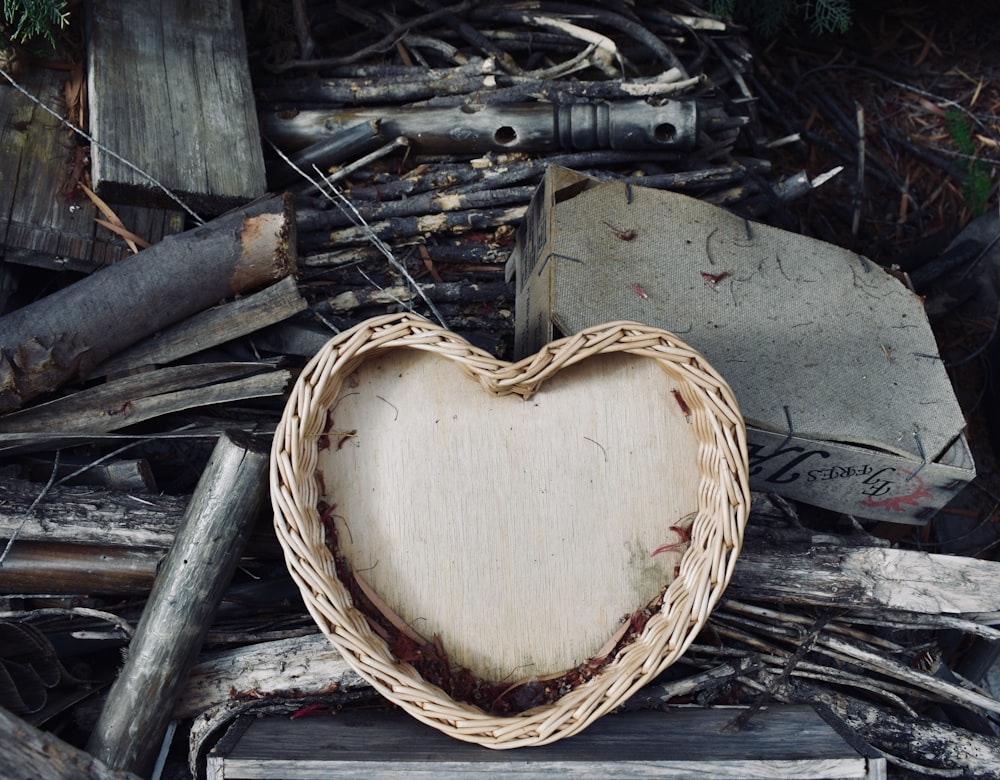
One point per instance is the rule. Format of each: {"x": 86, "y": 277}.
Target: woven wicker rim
{"x": 705, "y": 568}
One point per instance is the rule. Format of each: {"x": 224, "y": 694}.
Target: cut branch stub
{"x": 25, "y": 367}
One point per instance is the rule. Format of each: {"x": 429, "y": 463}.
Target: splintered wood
{"x": 45, "y": 220}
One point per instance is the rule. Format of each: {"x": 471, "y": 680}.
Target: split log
{"x": 211, "y": 328}
{"x": 918, "y": 744}
{"x": 288, "y": 668}
{"x": 871, "y": 578}
{"x": 67, "y": 334}
{"x": 90, "y": 532}
{"x": 185, "y": 596}
{"x": 29, "y": 752}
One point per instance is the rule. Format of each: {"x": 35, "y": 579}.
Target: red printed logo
{"x": 898, "y": 503}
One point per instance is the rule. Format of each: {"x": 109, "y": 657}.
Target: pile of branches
{"x": 435, "y": 125}
{"x": 392, "y": 215}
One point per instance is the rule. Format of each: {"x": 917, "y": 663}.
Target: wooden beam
{"x": 169, "y": 89}
{"x": 784, "y": 742}
{"x": 134, "y": 399}
{"x": 212, "y": 327}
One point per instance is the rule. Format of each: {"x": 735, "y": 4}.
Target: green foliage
{"x": 976, "y": 181}
{"x": 29, "y": 19}
{"x": 767, "y": 17}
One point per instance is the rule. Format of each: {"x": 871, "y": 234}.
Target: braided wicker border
{"x": 705, "y": 569}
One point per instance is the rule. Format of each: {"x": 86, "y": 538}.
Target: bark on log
{"x": 183, "y": 601}
{"x": 30, "y": 753}
{"x": 925, "y": 744}
{"x": 67, "y": 334}
{"x": 37, "y": 568}
{"x": 73, "y": 522}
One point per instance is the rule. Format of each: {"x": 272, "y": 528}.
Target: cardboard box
{"x": 847, "y": 403}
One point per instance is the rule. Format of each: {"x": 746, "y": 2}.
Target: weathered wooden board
{"x": 780, "y": 742}
{"x": 522, "y": 532}
{"x": 169, "y": 88}
{"x": 43, "y": 220}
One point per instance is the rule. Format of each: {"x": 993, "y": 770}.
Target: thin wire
{"x": 98, "y": 462}
{"x": 101, "y": 146}
{"x": 30, "y": 509}
{"x": 359, "y": 222}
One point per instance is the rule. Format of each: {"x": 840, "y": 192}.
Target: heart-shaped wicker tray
{"x": 589, "y": 531}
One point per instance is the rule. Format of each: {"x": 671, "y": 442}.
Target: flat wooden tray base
{"x": 521, "y": 532}
{"x": 779, "y": 742}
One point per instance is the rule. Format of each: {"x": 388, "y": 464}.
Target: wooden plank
{"x": 44, "y": 221}
{"x": 133, "y": 399}
{"x": 169, "y": 89}
{"x": 780, "y": 742}
{"x": 212, "y": 327}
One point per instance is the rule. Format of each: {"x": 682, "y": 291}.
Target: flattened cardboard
{"x": 832, "y": 359}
